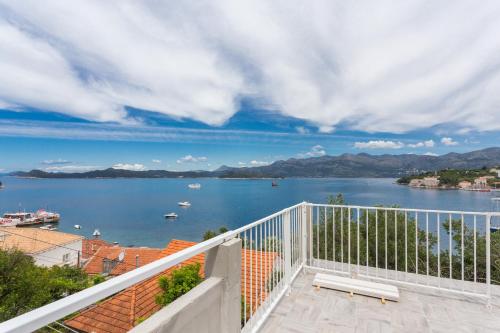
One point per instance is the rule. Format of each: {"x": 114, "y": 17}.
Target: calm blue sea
{"x": 130, "y": 211}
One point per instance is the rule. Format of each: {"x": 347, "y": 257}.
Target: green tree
{"x": 211, "y": 234}
{"x": 25, "y": 286}
{"x": 179, "y": 282}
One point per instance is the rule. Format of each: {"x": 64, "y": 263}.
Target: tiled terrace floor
{"x": 419, "y": 310}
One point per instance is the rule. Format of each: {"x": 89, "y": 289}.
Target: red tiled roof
{"x": 146, "y": 255}
{"x": 90, "y": 247}
{"x": 121, "y": 312}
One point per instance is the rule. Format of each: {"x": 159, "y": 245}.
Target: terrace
{"x": 259, "y": 278}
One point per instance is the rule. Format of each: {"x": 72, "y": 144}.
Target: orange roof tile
{"x": 146, "y": 255}
{"x": 34, "y": 240}
{"x": 90, "y": 247}
{"x": 121, "y": 312}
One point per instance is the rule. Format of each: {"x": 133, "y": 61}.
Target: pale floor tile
{"x": 309, "y": 310}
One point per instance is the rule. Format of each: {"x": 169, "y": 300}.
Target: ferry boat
{"x": 171, "y": 216}
{"x": 20, "y": 219}
{"x": 48, "y": 217}
{"x": 184, "y": 204}
{"x": 195, "y": 186}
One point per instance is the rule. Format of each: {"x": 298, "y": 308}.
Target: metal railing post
{"x": 488, "y": 257}
{"x": 288, "y": 252}
{"x": 304, "y": 233}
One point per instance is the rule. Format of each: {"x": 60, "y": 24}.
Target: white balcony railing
{"x": 407, "y": 246}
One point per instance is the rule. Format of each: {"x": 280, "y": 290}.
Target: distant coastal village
{"x": 482, "y": 180}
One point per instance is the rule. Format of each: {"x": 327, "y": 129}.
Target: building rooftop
{"x": 120, "y": 313}
{"x": 418, "y": 310}
{"x": 145, "y": 255}
{"x": 90, "y": 247}
{"x": 34, "y": 240}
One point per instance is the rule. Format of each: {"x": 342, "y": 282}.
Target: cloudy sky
{"x": 193, "y": 85}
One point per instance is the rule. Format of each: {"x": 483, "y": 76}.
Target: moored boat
{"x": 22, "y": 219}
{"x": 195, "y": 186}
{"x": 48, "y": 227}
{"x": 184, "y": 204}
{"x": 171, "y": 216}
{"x": 48, "y": 217}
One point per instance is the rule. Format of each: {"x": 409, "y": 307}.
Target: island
{"x": 483, "y": 180}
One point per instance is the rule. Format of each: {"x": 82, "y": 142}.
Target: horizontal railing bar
{"x": 264, "y": 219}
{"x": 405, "y": 209}
{"x": 49, "y": 313}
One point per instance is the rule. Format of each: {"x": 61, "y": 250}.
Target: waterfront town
{"x": 483, "y": 183}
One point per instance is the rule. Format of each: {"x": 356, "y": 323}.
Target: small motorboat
{"x": 77, "y": 226}
{"x": 1, "y": 185}
{"x": 48, "y": 227}
{"x": 195, "y": 186}
{"x": 184, "y": 203}
{"x": 274, "y": 184}
{"x": 171, "y": 216}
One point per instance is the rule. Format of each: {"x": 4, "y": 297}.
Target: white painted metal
{"x": 288, "y": 233}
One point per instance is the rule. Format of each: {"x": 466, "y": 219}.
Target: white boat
{"x": 48, "y": 217}
{"x": 5, "y": 222}
{"x": 195, "y": 186}
{"x": 77, "y": 226}
{"x": 171, "y": 216}
{"x": 184, "y": 203}
{"x": 20, "y": 219}
{"x": 48, "y": 227}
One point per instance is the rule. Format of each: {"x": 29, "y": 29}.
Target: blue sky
{"x": 153, "y": 85}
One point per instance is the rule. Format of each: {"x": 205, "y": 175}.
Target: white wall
{"x": 55, "y": 255}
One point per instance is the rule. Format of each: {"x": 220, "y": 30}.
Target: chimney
{"x": 136, "y": 260}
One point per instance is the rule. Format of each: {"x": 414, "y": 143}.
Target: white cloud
{"x": 258, "y": 163}
{"x": 191, "y": 159}
{"x": 156, "y": 161}
{"x": 379, "y": 144}
{"x": 241, "y": 163}
{"x": 389, "y": 67}
{"x": 430, "y": 154}
{"x": 129, "y": 166}
{"x": 316, "y": 151}
{"x": 448, "y": 142}
{"x": 302, "y": 130}
{"x": 427, "y": 143}
{"x": 59, "y": 161}
{"x": 72, "y": 168}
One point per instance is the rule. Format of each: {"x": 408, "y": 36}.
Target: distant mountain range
{"x": 345, "y": 165}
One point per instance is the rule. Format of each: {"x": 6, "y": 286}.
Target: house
{"x": 464, "y": 185}
{"x": 482, "y": 182}
{"x": 48, "y": 248}
{"x": 496, "y": 170}
{"x": 107, "y": 260}
{"x": 91, "y": 246}
{"x": 431, "y": 181}
{"x": 121, "y": 312}
{"x": 416, "y": 183}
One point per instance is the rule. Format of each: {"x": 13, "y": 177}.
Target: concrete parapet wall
{"x": 214, "y": 306}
